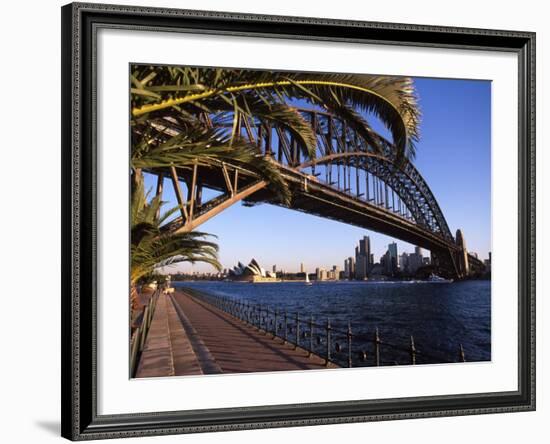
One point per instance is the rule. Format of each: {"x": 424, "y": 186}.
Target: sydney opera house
{"x": 252, "y": 272}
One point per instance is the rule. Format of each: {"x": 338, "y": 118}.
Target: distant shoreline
{"x": 342, "y": 281}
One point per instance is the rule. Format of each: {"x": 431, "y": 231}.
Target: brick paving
{"x": 237, "y": 347}
{"x": 167, "y": 350}
{"x": 191, "y": 337}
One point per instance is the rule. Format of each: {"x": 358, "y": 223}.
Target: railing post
{"x": 286, "y": 328}
{"x": 276, "y": 328}
{"x": 144, "y": 328}
{"x": 461, "y": 354}
{"x": 349, "y": 344}
{"x": 264, "y": 319}
{"x": 328, "y": 328}
{"x": 310, "y": 336}
{"x": 134, "y": 352}
{"x": 413, "y": 351}
{"x": 297, "y": 331}
{"x": 377, "y": 347}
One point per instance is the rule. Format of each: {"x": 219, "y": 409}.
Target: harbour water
{"x": 440, "y": 316}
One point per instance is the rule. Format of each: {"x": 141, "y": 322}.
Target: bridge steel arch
{"x": 413, "y": 216}
{"x": 406, "y": 181}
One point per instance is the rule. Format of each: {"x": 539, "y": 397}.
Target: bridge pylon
{"x": 462, "y": 259}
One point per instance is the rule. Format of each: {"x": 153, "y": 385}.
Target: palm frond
{"x": 258, "y": 109}
{"x": 391, "y": 99}
{"x": 210, "y": 147}
{"x": 151, "y": 248}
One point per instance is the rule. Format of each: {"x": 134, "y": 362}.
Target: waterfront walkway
{"x": 189, "y": 336}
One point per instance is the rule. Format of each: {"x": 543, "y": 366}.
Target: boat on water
{"x": 438, "y": 279}
{"x": 308, "y": 282}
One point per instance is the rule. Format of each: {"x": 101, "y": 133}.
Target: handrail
{"x": 300, "y": 331}
{"x": 139, "y": 336}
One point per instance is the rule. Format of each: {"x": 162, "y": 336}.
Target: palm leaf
{"x": 391, "y": 99}
{"x": 210, "y": 147}
{"x": 151, "y": 248}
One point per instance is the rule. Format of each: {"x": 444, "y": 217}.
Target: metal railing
{"x": 340, "y": 346}
{"x": 139, "y": 336}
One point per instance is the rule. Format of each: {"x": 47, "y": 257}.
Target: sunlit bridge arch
{"x": 398, "y": 188}
{"x": 349, "y": 179}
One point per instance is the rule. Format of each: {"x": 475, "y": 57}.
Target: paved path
{"x": 168, "y": 350}
{"x": 191, "y": 337}
{"x": 236, "y": 347}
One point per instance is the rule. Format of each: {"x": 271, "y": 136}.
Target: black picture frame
{"x": 79, "y": 396}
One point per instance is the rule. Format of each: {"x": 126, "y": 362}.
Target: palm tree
{"x": 152, "y": 248}
{"x": 184, "y": 93}
{"x": 183, "y": 116}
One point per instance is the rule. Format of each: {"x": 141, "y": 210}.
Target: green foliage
{"x": 183, "y": 117}
{"x": 265, "y": 94}
{"x": 152, "y": 248}
{"x": 207, "y": 147}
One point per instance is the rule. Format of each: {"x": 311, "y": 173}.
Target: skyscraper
{"x": 364, "y": 249}
{"x": 391, "y": 259}
{"x": 334, "y": 273}
{"x": 363, "y": 260}
{"x": 302, "y": 268}
{"x": 349, "y": 271}
{"x": 351, "y": 268}
{"x": 404, "y": 262}
{"x": 361, "y": 267}
{"x": 415, "y": 260}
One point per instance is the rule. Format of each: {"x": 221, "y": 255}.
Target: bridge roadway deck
{"x": 201, "y": 339}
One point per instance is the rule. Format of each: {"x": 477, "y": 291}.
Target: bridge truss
{"x": 349, "y": 179}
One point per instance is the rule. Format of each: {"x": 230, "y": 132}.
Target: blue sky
{"x": 453, "y": 156}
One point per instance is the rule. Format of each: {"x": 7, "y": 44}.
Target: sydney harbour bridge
{"x": 347, "y": 181}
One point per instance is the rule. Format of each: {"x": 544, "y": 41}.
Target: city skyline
{"x": 404, "y": 260}
{"x": 457, "y": 134}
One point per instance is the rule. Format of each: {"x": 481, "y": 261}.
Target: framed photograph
{"x": 280, "y": 221}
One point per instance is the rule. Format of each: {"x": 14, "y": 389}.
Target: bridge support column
{"x": 462, "y": 255}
